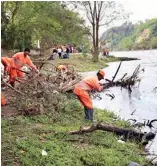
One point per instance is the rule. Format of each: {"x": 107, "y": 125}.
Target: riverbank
{"x": 85, "y": 64}
{"x": 24, "y": 138}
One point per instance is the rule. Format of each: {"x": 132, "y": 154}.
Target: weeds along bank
{"x": 24, "y": 138}
{"x": 42, "y": 123}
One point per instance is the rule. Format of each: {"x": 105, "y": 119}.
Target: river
{"x": 143, "y": 98}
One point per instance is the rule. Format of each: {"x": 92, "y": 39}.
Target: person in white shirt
{"x": 60, "y": 52}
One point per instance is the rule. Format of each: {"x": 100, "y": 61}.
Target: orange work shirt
{"x": 90, "y": 83}
{"x": 20, "y": 60}
{"x": 7, "y": 62}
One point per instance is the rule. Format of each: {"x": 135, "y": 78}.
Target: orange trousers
{"x": 84, "y": 98}
{"x": 14, "y": 74}
{"x": 3, "y": 102}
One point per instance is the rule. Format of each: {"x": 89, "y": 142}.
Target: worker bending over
{"x": 62, "y": 68}
{"x": 86, "y": 85}
{"x": 7, "y": 64}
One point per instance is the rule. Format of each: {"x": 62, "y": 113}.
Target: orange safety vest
{"x": 20, "y": 60}
{"x": 3, "y": 102}
{"x": 90, "y": 83}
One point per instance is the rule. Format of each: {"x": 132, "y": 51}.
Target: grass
{"x": 85, "y": 64}
{"x": 23, "y": 139}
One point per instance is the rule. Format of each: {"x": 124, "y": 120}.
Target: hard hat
{"x": 101, "y": 72}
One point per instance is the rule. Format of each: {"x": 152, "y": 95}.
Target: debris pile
{"x": 43, "y": 93}
{"x": 125, "y": 82}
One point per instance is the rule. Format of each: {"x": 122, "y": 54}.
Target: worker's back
{"x": 89, "y": 83}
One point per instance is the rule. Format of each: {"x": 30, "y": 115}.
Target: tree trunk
{"x": 95, "y": 54}
{"x": 96, "y": 46}
{"x": 127, "y": 133}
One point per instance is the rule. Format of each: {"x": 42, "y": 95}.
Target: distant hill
{"x": 130, "y": 36}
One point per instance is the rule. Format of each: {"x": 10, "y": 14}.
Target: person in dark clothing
{"x": 55, "y": 50}
{"x": 60, "y": 52}
{"x": 67, "y": 52}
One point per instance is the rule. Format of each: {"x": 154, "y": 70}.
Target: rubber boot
{"x": 90, "y": 115}
{"x": 86, "y": 113}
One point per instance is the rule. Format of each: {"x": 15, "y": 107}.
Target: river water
{"x": 143, "y": 98}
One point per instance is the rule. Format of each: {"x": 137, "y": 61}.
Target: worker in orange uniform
{"x": 83, "y": 87}
{"x": 3, "y": 102}
{"x": 7, "y": 64}
{"x": 19, "y": 60}
{"x": 62, "y": 68}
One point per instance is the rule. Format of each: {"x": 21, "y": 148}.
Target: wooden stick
{"x": 116, "y": 71}
{"x": 13, "y": 88}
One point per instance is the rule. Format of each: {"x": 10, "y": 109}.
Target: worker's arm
{"x": 30, "y": 63}
{"x": 97, "y": 86}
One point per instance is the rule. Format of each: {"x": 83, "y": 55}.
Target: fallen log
{"x": 128, "y": 134}
{"x": 127, "y": 59}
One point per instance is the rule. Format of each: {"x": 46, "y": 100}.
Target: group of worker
{"x": 13, "y": 66}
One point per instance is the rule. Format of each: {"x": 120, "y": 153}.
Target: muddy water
{"x": 143, "y": 98}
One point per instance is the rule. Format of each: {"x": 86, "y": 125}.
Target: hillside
{"x": 130, "y": 36}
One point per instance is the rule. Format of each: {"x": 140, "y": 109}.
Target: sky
{"x": 139, "y": 9}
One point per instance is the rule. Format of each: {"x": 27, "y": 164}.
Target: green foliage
{"x": 125, "y": 37}
{"x": 83, "y": 64}
{"x": 47, "y": 21}
{"x": 24, "y": 138}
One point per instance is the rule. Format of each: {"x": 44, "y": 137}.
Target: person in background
{"x": 60, "y": 52}
{"x": 86, "y": 85}
{"x": 72, "y": 49}
{"x": 107, "y": 51}
{"x": 67, "y": 52}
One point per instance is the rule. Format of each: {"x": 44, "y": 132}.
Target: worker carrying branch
{"x": 86, "y": 85}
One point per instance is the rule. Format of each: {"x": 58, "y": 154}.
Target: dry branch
{"x": 8, "y": 85}
{"x": 127, "y": 82}
{"x": 127, "y": 133}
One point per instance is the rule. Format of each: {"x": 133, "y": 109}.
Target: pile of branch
{"x": 124, "y": 82}
{"x": 41, "y": 93}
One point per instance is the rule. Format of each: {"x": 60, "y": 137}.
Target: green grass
{"x": 85, "y": 64}
{"x": 23, "y": 139}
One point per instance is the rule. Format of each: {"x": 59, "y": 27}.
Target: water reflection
{"x": 142, "y": 98}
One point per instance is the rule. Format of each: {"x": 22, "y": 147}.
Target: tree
{"x": 47, "y": 21}
{"x": 101, "y": 13}
{"x": 8, "y": 12}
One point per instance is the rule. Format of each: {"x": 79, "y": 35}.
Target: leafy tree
{"x": 46, "y": 21}
{"x": 100, "y": 13}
